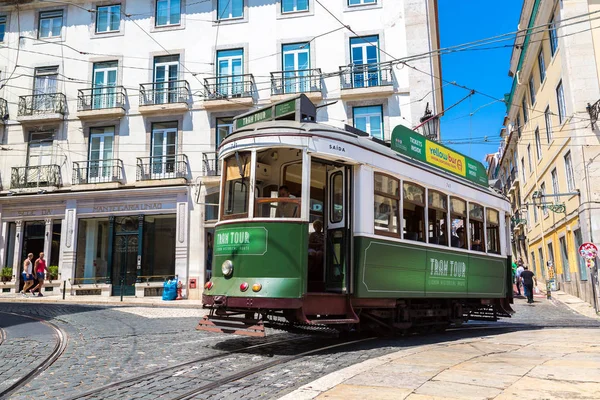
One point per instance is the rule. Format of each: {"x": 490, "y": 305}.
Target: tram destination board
{"x": 412, "y": 144}
{"x": 296, "y": 109}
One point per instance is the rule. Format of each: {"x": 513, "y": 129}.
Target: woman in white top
{"x": 27, "y": 274}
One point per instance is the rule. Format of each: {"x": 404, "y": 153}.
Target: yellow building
{"x": 549, "y": 165}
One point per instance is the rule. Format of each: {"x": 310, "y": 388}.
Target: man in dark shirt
{"x": 528, "y": 277}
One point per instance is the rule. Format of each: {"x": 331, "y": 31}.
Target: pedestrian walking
{"x": 40, "y": 270}
{"x": 528, "y": 278}
{"x": 520, "y": 270}
{"x": 27, "y": 274}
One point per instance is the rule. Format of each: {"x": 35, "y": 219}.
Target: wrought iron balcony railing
{"x": 35, "y": 176}
{"x": 39, "y": 104}
{"x": 210, "y": 164}
{"x": 3, "y": 110}
{"x": 300, "y": 81}
{"x": 97, "y": 171}
{"x": 162, "y": 167}
{"x": 169, "y": 92}
{"x": 231, "y": 86}
{"x": 356, "y": 76}
{"x": 100, "y": 98}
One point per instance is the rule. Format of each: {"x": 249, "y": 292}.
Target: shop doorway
{"x": 125, "y": 256}
{"x": 33, "y": 239}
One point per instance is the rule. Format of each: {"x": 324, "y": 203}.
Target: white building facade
{"x": 113, "y": 112}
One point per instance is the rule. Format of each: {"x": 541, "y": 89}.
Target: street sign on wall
{"x": 414, "y": 145}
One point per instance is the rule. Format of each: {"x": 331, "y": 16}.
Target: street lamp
{"x": 430, "y": 124}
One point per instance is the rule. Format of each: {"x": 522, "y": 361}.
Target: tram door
{"x": 337, "y": 244}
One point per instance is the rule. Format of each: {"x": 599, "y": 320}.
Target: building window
{"x": 548, "y": 118}
{"x": 532, "y": 90}
{"x": 104, "y": 94}
{"x": 564, "y": 255}
{"x": 555, "y": 185}
{"x": 164, "y": 149}
{"x": 108, "y": 18}
{"x": 535, "y": 214}
{"x": 51, "y": 23}
{"x": 364, "y": 54}
{"x": 361, "y": 2}
{"x": 569, "y": 172}
{"x": 413, "y": 208}
{"x": 158, "y": 252}
{"x": 369, "y": 119}
{"x": 230, "y": 9}
{"x": 523, "y": 168}
{"x": 224, "y": 128}
{"x": 92, "y": 250}
{"x": 166, "y": 74}
{"x": 542, "y": 65}
{"x": 529, "y": 158}
{"x": 2, "y": 27}
{"x": 533, "y": 266}
{"x": 236, "y": 170}
{"x": 538, "y": 144}
{"x": 168, "y": 12}
{"x": 458, "y": 222}
{"x": 560, "y": 99}
{"x": 583, "y": 273}
{"x": 289, "y": 6}
{"x": 40, "y": 149}
{"x": 100, "y": 166}
{"x": 543, "y": 198}
{"x": 542, "y": 263}
{"x": 230, "y": 70}
{"x": 524, "y": 105}
{"x": 296, "y": 67}
{"x": 387, "y": 204}
{"x": 519, "y": 131}
{"x": 553, "y": 37}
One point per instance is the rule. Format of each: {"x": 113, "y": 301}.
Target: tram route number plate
{"x": 242, "y": 241}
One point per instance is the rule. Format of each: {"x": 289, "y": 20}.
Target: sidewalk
{"x": 99, "y": 300}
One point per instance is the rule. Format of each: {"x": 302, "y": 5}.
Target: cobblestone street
{"x": 110, "y": 343}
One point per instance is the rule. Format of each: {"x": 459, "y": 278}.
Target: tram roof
{"x": 365, "y": 141}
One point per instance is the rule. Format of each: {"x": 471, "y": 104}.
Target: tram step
{"x": 232, "y": 325}
{"x": 333, "y": 321}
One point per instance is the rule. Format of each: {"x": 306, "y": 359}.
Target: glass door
{"x": 296, "y": 66}
{"x": 105, "y": 81}
{"x": 230, "y": 80}
{"x": 166, "y": 74}
{"x": 39, "y": 157}
{"x": 365, "y": 57}
{"x": 44, "y": 87}
{"x": 125, "y": 264}
{"x": 337, "y": 231}
{"x": 164, "y": 150}
{"x": 101, "y": 154}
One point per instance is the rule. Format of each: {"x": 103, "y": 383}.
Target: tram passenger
{"x": 460, "y": 239}
{"x": 285, "y": 209}
{"x": 476, "y": 245}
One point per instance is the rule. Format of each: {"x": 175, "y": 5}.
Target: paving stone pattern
{"x": 108, "y": 345}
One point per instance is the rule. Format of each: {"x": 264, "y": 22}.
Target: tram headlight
{"x": 227, "y": 268}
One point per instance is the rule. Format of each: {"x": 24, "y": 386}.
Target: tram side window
{"x": 387, "y": 202}
{"x": 414, "y": 212}
{"x": 235, "y": 187}
{"x": 476, "y": 225}
{"x": 437, "y": 209}
{"x": 493, "y": 231}
{"x": 458, "y": 219}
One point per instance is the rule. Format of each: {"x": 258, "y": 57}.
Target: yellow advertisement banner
{"x": 444, "y": 158}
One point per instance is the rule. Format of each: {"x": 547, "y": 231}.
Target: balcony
{"x": 40, "y": 108}
{"x": 232, "y": 91}
{"x": 170, "y": 168}
{"x": 307, "y": 81}
{"x": 108, "y": 173}
{"x": 210, "y": 165}
{"x": 366, "y": 80}
{"x": 172, "y": 97}
{"x": 38, "y": 176}
{"x": 4, "y": 111}
{"x": 101, "y": 102}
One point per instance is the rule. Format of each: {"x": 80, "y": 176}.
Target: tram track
{"x": 57, "y": 351}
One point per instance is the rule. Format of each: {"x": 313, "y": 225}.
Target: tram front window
{"x": 438, "y": 217}
{"x": 476, "y": 225}
{"x": 414, "y": 212}
{"x": 236, "y": 184}
{"x": 458, "y": 218}
{"x": 278, "y": 183}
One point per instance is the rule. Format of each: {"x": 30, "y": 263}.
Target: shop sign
{"x": 124, "y": 208}
{"x": 411, "y": 144}
{"x": 38, "y": 212}
{"x": 241, "y": 241}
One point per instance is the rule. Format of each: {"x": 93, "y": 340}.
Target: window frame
{"x": 3, "y": 22}
{"x": 555, "y": 182}
{"x": 380, "y": 106}
{"x": 223, "y": 197}
{"x": 564, "y": 258}
{"x": 519, "y": 128}
{"x": 483, "y": 224}
{"x": 362, "y": 3}
{"x": 529, "y": 159}
{"x": 487, "y": 227}
{"x": 548, "y": 120}
{"x": 283, "y": 12}
{"x": 532, "y": 90}
{"x": 109, "y": 6}
{"x": 541, "y": 64}
{"x": 560, "y": 100}
{"x": 40, "y": 16}
{"x": 538, "y": 143}
{"x": 569, "y": 172}
{"x": 423, "y": 205}
{"x": 543, "y": 196}
{"x": 524, "y": 106}
{"x": 447, "y": 222}
{"x": 169, "y": 24}
{"x": 229, "y": 5}
{"x": 553, "y": 36}
{"x": 397, "y": 198}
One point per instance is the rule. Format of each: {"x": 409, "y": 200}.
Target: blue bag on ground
{"x": 170, "y": 290}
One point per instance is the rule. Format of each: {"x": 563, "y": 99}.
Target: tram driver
{"x": 286, "y": 209}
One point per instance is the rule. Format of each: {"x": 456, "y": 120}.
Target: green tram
{"x": 327, "y": 226}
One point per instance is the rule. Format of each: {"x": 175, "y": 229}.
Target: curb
{"x": 128, "y": 303}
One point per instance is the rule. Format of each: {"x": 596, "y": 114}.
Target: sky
{"x": 483, "y": 70}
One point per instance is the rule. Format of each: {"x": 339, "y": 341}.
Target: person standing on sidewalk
{"x": 27, "y": 274}
{"x": 528, "y": 278}
{"x": 520, "y": 270}
{"x": 40, "y": 270}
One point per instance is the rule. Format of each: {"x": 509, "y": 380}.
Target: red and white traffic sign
{"x": 589, "y": 251}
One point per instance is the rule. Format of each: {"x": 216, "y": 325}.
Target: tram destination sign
{"x": 410, "y": 143}
{"x": 294, "y": 109}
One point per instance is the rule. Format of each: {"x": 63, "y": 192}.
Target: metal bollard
{"x": 64, "y": 289}
{"x": 122, "y": 288}
{"x": 548, "y": 290}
